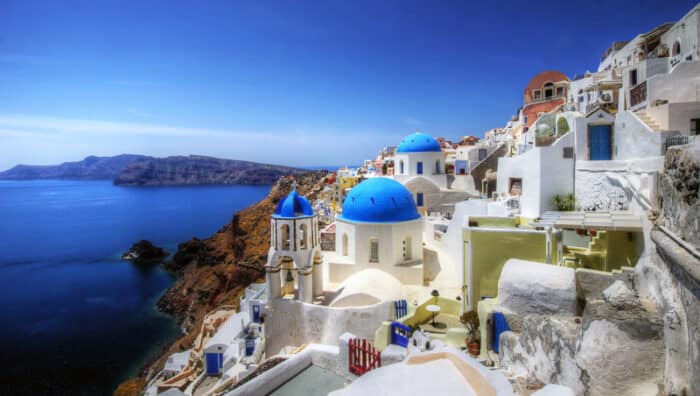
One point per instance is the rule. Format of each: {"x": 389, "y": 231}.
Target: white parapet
{"x": 529, "y": 287}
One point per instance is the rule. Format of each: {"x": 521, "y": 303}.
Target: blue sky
{"x": 291, "y": 82}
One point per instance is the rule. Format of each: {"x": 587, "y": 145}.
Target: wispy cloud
{"x": 70, "y": 125}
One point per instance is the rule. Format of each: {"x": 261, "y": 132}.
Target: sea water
{"x": 75, "y": 319}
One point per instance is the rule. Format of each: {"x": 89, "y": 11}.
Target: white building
{"x": 176, "y": 363}
{"x": 538, "y": 175}
{"x": 227, "y": 346}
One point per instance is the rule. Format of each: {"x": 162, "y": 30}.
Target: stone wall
{"x": 679, "y": 199}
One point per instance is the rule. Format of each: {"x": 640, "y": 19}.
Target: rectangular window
{"x": 537, "y": 95}
{"x": 560, "y": 91}
{"x": 374, "y": 250}
{"x": 515, "y": 186}
{"x": 633, "y": 78}
{"x": 419, "y": 199}
{"x": 695, "y": 126}
{"x": 419, "y": 168}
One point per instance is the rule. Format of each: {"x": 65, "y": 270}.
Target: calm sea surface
{"x": 74, "y": 319}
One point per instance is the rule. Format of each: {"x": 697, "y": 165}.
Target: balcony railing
{"x": 546, "y": 99}
{"x": 679, "y": 140}
{"x": 638, "y": 94}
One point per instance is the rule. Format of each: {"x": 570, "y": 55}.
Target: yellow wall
{"x": 491, "y": 250}
{"x": 608, "y": 251}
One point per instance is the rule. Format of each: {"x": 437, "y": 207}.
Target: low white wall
{"x": 295, "y": 323}
{"x": 529, "y": 287}
{"x": 606, "y": 185}
{"x": 324, "y": 356}
{"x": 634, "y": 139}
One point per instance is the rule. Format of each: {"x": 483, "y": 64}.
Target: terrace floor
{"x": 312, "y": 381}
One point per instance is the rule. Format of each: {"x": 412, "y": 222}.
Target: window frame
{"x": 374, "y": 250}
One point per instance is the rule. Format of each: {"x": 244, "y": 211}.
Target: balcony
{"x": 546, "y": 99}
{"x": 638, "y": 94}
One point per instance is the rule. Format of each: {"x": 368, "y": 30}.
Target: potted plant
{"x": 471, "y": 321}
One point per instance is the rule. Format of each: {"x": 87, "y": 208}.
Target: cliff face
{"x": 183, "y": 170}
{"x": 214, "y": 271}
{"x": 91, "y": 168}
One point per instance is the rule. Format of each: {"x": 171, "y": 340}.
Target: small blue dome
{"x": 418, "y": 143}
{"x": 293, "y": 206}
{"x": 379, "y": 200}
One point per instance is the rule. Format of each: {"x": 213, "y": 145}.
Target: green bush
{"x": 562, "y": 126}
{"x": 564, "y": 203}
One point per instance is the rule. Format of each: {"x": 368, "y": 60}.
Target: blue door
{"x": 256, "y": 313}
{"x": 399, "y": 334}
{"x": 500, "y": 325}
{"x": 419, "y": 169}
{"x": 214, "y": 363}
{"x": 599, "y": 142}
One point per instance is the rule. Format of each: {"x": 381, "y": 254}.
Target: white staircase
{"x": 648, "y": 120}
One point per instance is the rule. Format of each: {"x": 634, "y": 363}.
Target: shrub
{"x": 562, "y": 126}
{"x": 564, "y": 203}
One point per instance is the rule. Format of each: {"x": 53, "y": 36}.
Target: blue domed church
{"x": 380, "y": 229}
{"x": 419, "y": 164}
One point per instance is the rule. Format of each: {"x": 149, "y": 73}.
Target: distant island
{"x": 141, "y": 170}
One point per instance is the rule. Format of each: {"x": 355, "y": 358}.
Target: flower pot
{"x": 473, "y": 348}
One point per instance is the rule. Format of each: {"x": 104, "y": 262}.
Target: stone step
{"x": 647, "y": 119}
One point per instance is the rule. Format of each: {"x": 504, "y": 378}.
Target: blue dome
{"x": 293, "y": 206}
{"x": 418, "y": 143}
{"x": 379, "y": 200}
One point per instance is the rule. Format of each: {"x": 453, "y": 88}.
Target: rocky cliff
{"x": 91, "y": 168}
{"x": 193, "y": 169}
{"x": 214, "y": 271}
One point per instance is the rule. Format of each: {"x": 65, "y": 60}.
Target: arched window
{"x": 285, "y": 237}
{"x": 345, "y": 245}
{"x": 676, "y": 48}
{"x": 548, "y": 90}
{"x": 437, "y": 167}
{"x": 401, "y": 167}
{"x": 407, "y": 249}
{"x": 303, "y": 237}
{"x": 373, "y": 250}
